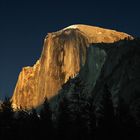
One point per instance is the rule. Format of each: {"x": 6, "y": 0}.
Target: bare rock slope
{"x": 64, "y": 54}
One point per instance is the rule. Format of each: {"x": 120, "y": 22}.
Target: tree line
{"x": 78, "y": 118}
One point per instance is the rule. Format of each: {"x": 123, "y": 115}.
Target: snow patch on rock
{"x": 71, "y": 27}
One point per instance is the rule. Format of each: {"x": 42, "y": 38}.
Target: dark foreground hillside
{"x": 111, "y": 110}
{"x": 78, "y": 119}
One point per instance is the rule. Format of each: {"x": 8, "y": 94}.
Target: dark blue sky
{"x": 24, "y": 24}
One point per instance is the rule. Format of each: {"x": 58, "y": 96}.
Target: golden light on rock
{"x": 64, "y": 53}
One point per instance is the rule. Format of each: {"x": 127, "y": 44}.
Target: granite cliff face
{"x": 110, "y": 68}
{"x": 64, "y": 54}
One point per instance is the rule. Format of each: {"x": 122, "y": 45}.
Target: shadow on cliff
{"x": 112, "y": 103}
{"x": 120, "y": 72}
{"x": 109, "y": 109}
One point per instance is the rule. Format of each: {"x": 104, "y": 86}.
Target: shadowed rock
{"x": 64, "y": 54}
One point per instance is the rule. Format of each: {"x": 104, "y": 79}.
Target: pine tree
{"x": 77, "y": 113}
{"x": 33, "y": 124}
{"x": 7, "y": 112}
{"x": 46, "y": 120}
{"x": 123, "y": 114}
{"x": 7, "y": 109}
{"x": 92, "y": 118}
{"x": 105, "y": 116}
{"x": 80, "y": 114}
{"x": 46, "y": 113}
{"x": 7, "y": 117}
{"x": 64, "y": 121}
{"x": 106, "y": 109}
{"x": 23, "y": 123}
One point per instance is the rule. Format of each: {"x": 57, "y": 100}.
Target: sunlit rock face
{"x": 64, "y": 54}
